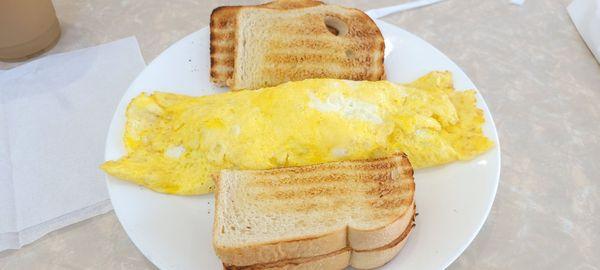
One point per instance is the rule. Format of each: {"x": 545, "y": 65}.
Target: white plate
{"x": 174, "y": 232}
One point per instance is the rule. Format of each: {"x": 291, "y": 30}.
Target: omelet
{"x": 175, "y": 143}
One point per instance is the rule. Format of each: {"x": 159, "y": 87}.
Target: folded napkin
{"x": 585, "y": 14}
{"x": 54, "y": 117}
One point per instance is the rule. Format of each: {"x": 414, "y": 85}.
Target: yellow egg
{"x": 176, "y": 143}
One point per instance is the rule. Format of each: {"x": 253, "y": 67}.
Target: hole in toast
{"x": 349, "y": 54}
{"x": 332, "y": 30}
{"x": 336, "y": 26}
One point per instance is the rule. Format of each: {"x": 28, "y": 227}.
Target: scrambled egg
{"x": 175, "y": 143}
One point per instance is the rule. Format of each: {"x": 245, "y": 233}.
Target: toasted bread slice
{"x": 265, "y": 46}
{"x": 223, "y": 22}
{"x": 301, "y": 212}
{"x": 366, "y": 259}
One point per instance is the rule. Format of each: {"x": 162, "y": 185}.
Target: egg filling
{"x": 175, "y": 143}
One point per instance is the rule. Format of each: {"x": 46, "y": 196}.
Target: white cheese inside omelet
{"x": 176, "y": 143}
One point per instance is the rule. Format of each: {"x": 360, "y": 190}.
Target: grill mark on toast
{"x": 383, "y": 208}
{"x": 331, "y": 59}
{"x": 301, "y": 28}
{"x": 222, "y": 34}
{"x": 388, "y": 190}
{"x": 300, "y": 72}
{"x": 384, "y": 188}
{"x": 290, "y": 190}
{"x": 331, "y": 205}
{"x": 307, "y": 179}
{"x": 396, "y": 198}
{"x": 399, "y": 159}
{"x": 225, "y": 62}
{"x": 301, "y": 42}
{"x": 220, "y": 73}
{"x": 389, "y": 203}
{"x": 305, "y": 193}
{"x": 305, "y": 27}
{"x": 333, "y": 174}
{"x": 357, "y": 52}
{"x": 223, "y": 23}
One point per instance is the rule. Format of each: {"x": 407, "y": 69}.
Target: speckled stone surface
{"x": 539, "y": 79}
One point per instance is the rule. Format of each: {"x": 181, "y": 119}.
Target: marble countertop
{"x": 539, "y": 79}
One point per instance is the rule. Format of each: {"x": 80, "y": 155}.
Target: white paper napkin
{"x": 54, "y": 116}
{"x": 585, "y": 14}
